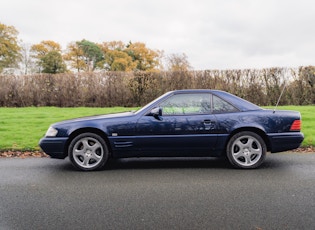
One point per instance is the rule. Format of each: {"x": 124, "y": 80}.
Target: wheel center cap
{"x": 246, "y": 152}
{"x": 88, "y": 153}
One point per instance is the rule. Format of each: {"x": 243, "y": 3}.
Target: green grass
{"x": 21, "y": 128}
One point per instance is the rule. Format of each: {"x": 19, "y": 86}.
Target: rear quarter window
{"x": 221, "y": 106}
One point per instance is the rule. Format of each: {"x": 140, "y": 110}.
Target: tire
{"x": 246, "y": 150}
{"x": 88, "y": 151}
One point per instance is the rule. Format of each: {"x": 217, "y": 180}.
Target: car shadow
{"x": 157, "y": 163}
{"x": 270, "y": 163}
{"x": 174, "y": 163}
{"x": 166, "y": 163}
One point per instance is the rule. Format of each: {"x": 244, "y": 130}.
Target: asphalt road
{"x": 43, "y": 193}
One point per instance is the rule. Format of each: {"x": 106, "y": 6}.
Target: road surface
{"x": 43, "y": 193}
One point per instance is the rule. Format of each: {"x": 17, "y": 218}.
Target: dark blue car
{"x": 183, "y": 123}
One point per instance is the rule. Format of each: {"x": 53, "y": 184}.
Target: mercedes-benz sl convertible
{"x": 182, "y": 123}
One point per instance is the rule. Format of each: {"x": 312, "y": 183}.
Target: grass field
{"x": 21, "y": 128}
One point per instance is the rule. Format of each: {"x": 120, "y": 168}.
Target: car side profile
{"x": 181, "y": 123}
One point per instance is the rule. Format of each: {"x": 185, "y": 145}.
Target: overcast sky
{"x": 214, "y": 34}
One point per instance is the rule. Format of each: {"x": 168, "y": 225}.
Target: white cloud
{"x": 214, "y": 34}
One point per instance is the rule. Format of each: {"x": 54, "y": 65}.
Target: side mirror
{"x": 156, "y": 113}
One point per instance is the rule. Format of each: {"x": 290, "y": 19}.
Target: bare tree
{"x": 27, "y": 64}
{"x": 178, "y": 62}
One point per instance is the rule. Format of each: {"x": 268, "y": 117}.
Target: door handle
{"x": 209, "y": 125}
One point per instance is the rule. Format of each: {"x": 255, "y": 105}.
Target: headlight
{"x": 51, "y": 132}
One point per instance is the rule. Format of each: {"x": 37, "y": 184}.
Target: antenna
{"x": 279, "y": 98}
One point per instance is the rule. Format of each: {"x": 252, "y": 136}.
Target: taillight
{"x": 296, "y": 125}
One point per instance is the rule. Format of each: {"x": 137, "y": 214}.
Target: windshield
{"x": 151, "y": 103}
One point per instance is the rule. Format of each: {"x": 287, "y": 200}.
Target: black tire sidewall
{"x": 97, "y": 137}
{"x": 246, "y": 133}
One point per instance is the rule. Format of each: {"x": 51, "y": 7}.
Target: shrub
{"x": 107, "y": 89}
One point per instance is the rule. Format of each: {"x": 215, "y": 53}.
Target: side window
{"x": 221, "y": 106}
{"x": 186, "y": 104}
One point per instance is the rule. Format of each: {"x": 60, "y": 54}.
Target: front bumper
{"x": 280, "y": 142}
{"x": 54, "y": 146}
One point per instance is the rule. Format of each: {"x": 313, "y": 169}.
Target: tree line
{"x": 105, "y": 89}
{"x": 82, "y": 56}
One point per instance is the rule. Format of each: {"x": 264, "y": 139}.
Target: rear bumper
{"x": 54, "y": 146}
{"x": 280, "y": 142}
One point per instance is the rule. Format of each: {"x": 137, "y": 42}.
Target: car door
{"x": 184, "y": 127}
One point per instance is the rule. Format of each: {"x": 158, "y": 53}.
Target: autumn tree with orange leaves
{"x": 146, "y": 59}
{"x": 49, "y": 57}
{"x": 116, "y": 58}
{"x": 9, "y": 47}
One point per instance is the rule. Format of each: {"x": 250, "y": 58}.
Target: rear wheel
{"x": 246, "y": 150}
{"x": 88, "y": 151}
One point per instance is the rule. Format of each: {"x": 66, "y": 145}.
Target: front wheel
{"x": 88, "y": 151}
{"x": 246, "y": 150}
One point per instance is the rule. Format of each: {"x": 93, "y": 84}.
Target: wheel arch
{"x": 256, "y": 130}
{"x": 88, "y": 130}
